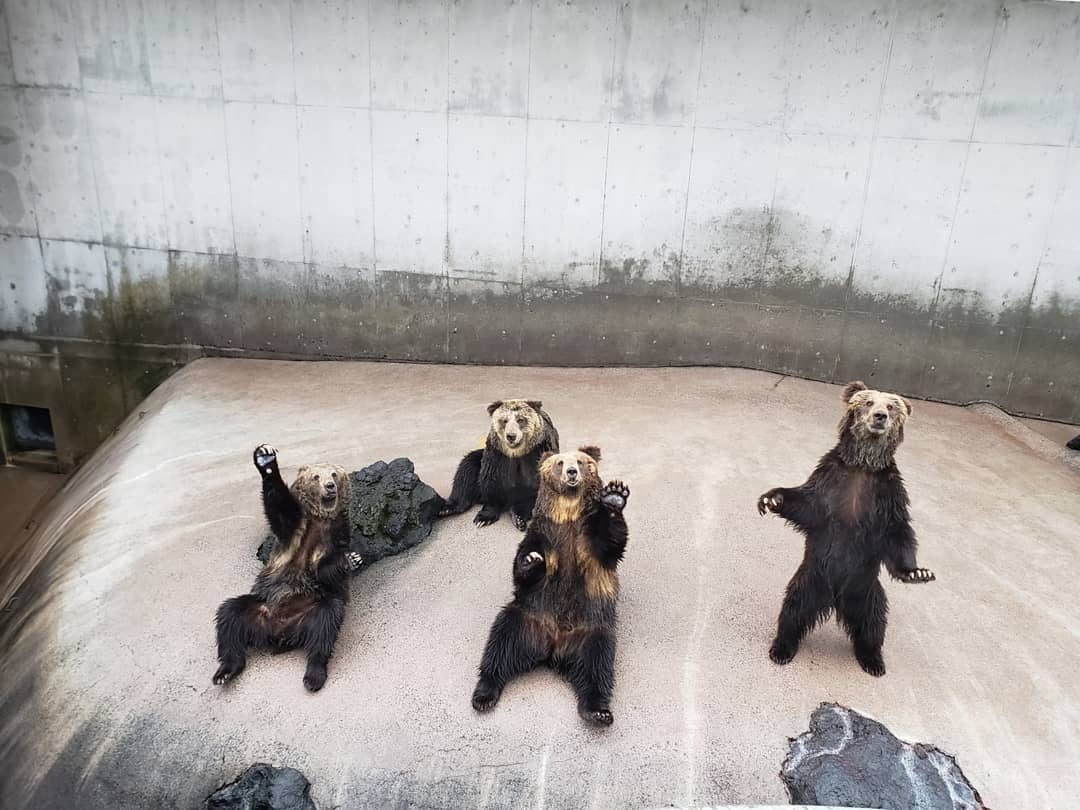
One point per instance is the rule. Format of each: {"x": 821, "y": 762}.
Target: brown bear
{"x": 565, "y": 588}
{"x": 503, "y": 473}
{"x": 853, "y": 511}
{"x": 299, "y": 596}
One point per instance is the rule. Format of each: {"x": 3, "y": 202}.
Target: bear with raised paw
{"x": 503, "y": 474}
{"x": 566, "y": 586}
{"x": 299, "y": 597}
{"x": 853, "y": 512}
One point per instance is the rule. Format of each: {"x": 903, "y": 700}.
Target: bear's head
{"x": 516, "y": 425}
{"x": 322, "y": 490}
{"x": 873, "y": 425}
{"x": 566, "y": 480}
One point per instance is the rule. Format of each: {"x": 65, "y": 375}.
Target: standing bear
{"x": 503, "y": 473}
{"x": 565, "y": 588}
{"x": 299, "y": 596}
{"x": 853, "y": 511}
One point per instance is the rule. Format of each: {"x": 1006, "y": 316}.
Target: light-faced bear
{"x": 299, "y": 596}
{"x": 503, "y": 474}
{"x": 853, "y": 511}
{"x": 565, "y": 588}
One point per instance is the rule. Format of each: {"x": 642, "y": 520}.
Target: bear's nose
{"x": 571, "y": 473}
{"x": 880, "y": 417}
{"x": 331, "y": 486}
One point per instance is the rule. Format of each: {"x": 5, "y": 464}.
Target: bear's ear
{"x": 851, "y": 389}
{"x": 535, "y": 404}
{"x": 494, "y": 406}
{"x": 907, "y": 405}
{"x": 302, "y": 471}
{"x": 591, "y": 451}
{"x": 548, "y": 454}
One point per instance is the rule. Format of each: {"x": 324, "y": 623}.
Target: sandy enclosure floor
{"x": 113, "y": 672}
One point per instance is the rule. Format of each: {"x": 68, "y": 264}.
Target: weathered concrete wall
{"x": 833, "y": 188}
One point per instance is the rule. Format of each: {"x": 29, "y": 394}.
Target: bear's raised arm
{"x": 282, "y": 511}
{"x": 796, "y": 505}
{"x": 607, "y": 525}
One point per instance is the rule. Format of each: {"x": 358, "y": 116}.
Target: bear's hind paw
{"x": 520, "y": 523}
{"x": 597, "y": 717}
{"x": 354, "y": 561}
{"x": 485, "y": 696}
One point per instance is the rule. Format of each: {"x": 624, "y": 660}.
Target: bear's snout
{"x": 571, "y": 475}
{"x": 878, "y": 421}
{"x": 512, "y": 438}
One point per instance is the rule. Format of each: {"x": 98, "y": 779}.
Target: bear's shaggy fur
{"x": 503, "y": 473}
{"x": 299, "y": 597}
{"x": 565, "y": 588}
{"x": 853, "y": 511}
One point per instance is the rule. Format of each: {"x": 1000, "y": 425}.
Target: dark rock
{"x": 391, "y": 510}
{"x": 1073, "y": 443}
{"x": 847, "y": 760}
{"x": 264, "y": 787}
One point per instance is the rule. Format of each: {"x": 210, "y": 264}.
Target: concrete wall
{"x": 832, "y": 188}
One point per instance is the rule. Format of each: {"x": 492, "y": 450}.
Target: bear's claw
{"x": 771, "y": 501}
{"x": 615, "y": 495}
{"x": 520, "y": 523}
{"x": 917, "y": 576}
{"x": 354, "y": 561}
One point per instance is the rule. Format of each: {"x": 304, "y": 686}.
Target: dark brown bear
{"x": 299, "y": 597}
{"x": 853, "y": 511}
{"x": 565, "y": 588}
{"x": 503, "y": 473}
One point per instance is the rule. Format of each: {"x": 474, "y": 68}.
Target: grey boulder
{"x": 264, "y": 787}
{"x": 848, "y": 760}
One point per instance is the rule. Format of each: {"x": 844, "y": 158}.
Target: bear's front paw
{"x": 353, "y": 561}
{"x": 917, "y": 576}
{"x": 520, "y": 523}
{"x": 771, "y": 501}
{"x": 532, "y": 559}
{"x": 597, "y": 717}
{"x": 615, "y": 495}
{"x": 265, "y": 457}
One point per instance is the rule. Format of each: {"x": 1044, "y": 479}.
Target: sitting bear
{"x": 299, "y": 596}
{"x": 503, "y": 473}
{"x": 565, "y": 588}
{"x": 853, "y": 511}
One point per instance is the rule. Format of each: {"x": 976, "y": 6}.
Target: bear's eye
{"x": 521, "y": 421}
{"x": 502, "y": 422}
{"x": 560, "y": 465}
{"x": 316, "y": 476}
{"x": 891, "y": 407}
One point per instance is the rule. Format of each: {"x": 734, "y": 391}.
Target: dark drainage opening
{"x": 26, "y": 436}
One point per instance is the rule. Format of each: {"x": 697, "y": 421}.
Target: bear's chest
{"x": 855, "y": 499}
